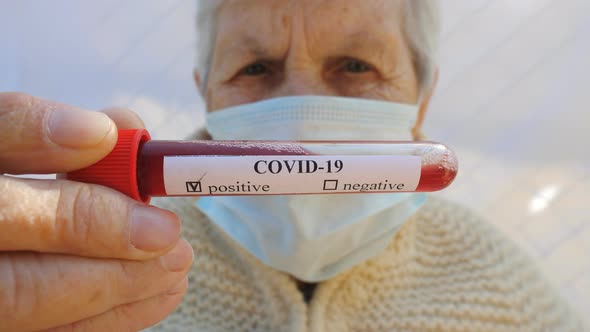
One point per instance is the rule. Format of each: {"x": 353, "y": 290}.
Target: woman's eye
{"x": 356, "y": 66}
{"x": 255, "y": 69}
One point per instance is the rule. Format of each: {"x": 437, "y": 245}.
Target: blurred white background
{"x": 515, "y": 77}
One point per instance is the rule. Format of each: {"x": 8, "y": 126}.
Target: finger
{"x": 134, "y": 316}
{"x": 81, "y": 219}
{"x": 40, "y": 136}
{"x": 124, "y": 118}
{"x": 57, "y": 289}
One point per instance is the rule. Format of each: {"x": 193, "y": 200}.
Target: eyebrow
{"x": 249, "y": 45}
{"x": 254, "y": 46}
{"x": 361, "y": 43}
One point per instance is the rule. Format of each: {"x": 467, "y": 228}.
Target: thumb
{"x": 40, "y": 136}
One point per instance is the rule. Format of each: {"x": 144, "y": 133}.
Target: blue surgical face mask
{"x": 313, "y": 237}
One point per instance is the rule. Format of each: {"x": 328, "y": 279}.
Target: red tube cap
{"x": 118, "y": 170}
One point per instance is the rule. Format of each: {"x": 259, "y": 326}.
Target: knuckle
{"x": 16, "y": 299}
{"x": 5, "y": 199}
{"x": 15, "y": 101}
{"x": 17, "y": 113}
{"x": 11, "y": 205}
{"x": 125, "y": 282}
{"x": 89, "y": 220}
{"x": 129, "y": 281}
{"x": 127, "y": 274}
{"x": 73, "y": 223}
{"x": 8, "y": 290}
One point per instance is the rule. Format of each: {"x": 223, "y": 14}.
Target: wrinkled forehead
{"x": 268, "y": 26}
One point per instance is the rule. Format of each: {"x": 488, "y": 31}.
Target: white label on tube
{"x": 273, "y": 175}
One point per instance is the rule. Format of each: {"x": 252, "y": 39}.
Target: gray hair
{"x": 422, "y": 31}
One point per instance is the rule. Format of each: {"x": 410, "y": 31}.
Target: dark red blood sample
{"x": 435, "y": 177}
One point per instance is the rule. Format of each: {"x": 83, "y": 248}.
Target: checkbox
{"x": 330, "y": 184}
{"x": 193, "y": 187}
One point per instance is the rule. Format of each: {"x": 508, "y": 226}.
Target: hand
{"x": 73, "y": 256}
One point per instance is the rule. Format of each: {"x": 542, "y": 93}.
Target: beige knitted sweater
{"x": 446, "y": 270}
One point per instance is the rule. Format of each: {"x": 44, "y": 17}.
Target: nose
{"x": 303, "y": 81}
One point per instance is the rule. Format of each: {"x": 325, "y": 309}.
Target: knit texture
{"x": 445, "y": 270}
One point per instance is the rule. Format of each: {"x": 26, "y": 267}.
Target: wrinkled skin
{"x": 78, "y": 257}
{"x": 270, "y": 48}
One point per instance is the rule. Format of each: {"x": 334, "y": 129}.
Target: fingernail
{"x": 179, "y": 258}
{"x": 153, "y": 229}
{"x": 78, "y": 128}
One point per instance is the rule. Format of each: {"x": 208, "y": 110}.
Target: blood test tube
{"x": 143, "y": 168}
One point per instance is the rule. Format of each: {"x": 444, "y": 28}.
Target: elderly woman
{"x": 340, "y": 263}
{"x": 268, "y": 69}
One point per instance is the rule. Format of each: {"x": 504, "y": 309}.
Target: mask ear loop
{"x": 424, "y": 102}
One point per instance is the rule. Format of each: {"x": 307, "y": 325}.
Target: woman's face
{"x": 273, "y": 48}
